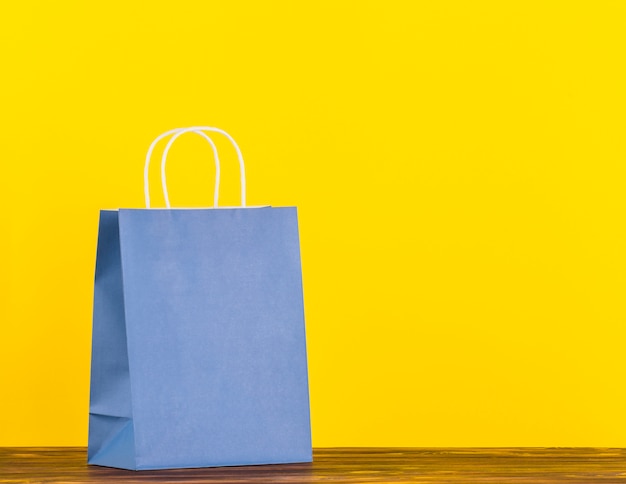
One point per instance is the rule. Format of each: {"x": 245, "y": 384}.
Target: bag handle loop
{"x": 146, "y": 182}
{"x": 200, "y": 130}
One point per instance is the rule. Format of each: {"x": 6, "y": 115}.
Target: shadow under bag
{"x": 198, "y": 349}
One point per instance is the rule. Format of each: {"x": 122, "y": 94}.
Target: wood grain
{"x": 351, "y": 465}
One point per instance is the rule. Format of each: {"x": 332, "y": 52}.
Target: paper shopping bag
{"x": 198, "y": 349}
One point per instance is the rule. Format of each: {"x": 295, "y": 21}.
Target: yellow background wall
{"x": 459, "y": 172}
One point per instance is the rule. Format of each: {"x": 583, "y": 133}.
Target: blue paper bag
{"x": 198, "y": 350}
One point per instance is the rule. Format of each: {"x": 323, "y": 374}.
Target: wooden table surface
{"x": 352, "y": 465}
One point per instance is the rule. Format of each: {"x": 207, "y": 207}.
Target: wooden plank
{"x": 344, "y": 465}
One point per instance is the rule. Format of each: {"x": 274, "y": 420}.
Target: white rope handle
{"x": 146, "y": 182}
{"x": 178, "y": 132}
{"x": 200, "y": 129}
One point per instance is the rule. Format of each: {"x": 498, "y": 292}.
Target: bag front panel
{"x": 216, "y": 337}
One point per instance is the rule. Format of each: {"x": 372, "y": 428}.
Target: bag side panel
{"x": 110, "y": 411}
